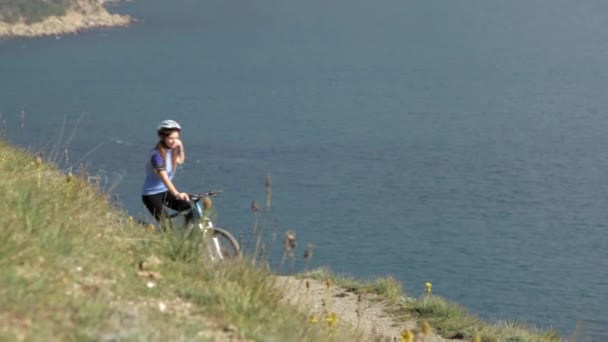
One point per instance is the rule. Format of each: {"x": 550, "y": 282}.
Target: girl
{"x": 159, "y": 190}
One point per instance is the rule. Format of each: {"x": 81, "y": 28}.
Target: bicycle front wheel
{"x": 221, "y": 245}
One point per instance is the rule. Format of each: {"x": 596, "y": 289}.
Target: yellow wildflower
{"x": 428, "y": 287}
{"x": 407, "y": 336}
{"x": 313, "y": 319}
{"x": 332, "y": 319}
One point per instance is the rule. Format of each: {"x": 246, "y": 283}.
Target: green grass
{"x": 32, "y": 11}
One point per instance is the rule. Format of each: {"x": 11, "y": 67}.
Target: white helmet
{"x": 169, "y": 125}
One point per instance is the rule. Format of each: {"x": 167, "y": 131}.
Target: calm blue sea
{"x": 463, "y": 143}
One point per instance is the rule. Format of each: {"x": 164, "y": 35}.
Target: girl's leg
{"x": 154, "y": 204}
{"x": 177, "y": 204}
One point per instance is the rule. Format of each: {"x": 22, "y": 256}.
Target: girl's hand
{"x": 183, "y": 196}
{"x": 178, "y": 144}
{"x": 179, "y": 149}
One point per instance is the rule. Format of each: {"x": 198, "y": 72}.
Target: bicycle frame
{"x": 198, "y": 217}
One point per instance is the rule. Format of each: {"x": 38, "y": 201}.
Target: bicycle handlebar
{"x": 196, "y": 198}
{"x": 212, "y": 193}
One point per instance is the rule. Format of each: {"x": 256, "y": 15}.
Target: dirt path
{"x": 365, "y": 313}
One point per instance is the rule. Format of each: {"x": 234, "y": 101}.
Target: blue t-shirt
{"x": 153, "y": 184}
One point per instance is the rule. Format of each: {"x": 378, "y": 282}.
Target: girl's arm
{"x": 180, "y": 152}
{"x": 172, "y": 189}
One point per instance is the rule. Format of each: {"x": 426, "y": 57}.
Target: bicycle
{"x": 220, "y": 245}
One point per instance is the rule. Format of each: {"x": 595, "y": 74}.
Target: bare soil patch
{"x": 367, "y": 313}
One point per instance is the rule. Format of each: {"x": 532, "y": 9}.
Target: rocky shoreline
{"x": 84, "y": 16}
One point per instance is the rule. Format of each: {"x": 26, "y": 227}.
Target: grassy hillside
{"x": 72, "y": 267}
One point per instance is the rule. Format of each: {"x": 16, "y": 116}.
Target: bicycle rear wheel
{"x": 221, "y": 245}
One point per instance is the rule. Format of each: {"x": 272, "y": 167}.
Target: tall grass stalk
{"x": 260, "y": 232}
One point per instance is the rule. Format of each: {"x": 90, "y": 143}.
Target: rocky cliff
{"x": 82, "y": 15}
